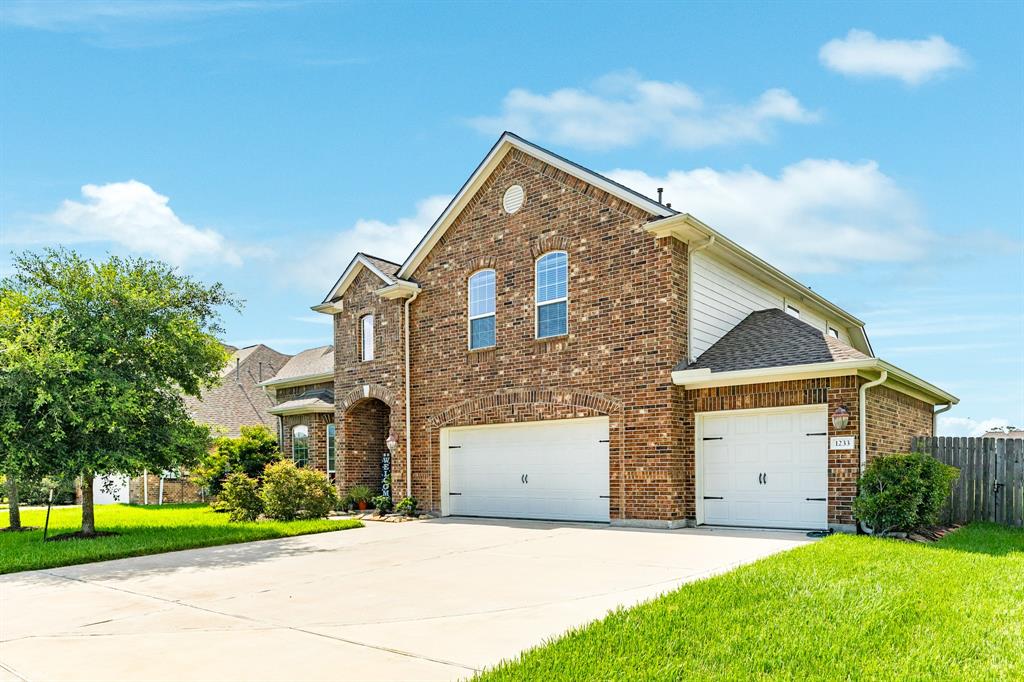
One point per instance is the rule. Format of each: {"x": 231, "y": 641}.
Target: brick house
{"x": 559, "y": 346}
{"x": 239, "y": 400}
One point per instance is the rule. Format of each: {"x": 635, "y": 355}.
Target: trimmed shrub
{"x": 406, "y": 506}
{"x": 382, "y": 503}
{"x": 241, "y": 497}
{"x": 290, "y": 492}
{"x": 903, "y": 491}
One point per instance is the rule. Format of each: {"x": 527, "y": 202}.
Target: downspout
{"x": 862, "y": 423}
{"x": 145, "y": 486}
{"x": 161, "y": 489}
{"x": 408, "y": 402}
{"x": 689, "y": 293}
{"x": 935, "y": 418}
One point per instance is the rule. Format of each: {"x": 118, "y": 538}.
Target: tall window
{"x": 552, "y": 294}
{"x": 366, "y": 337}
{"x": 300, "y": 445}
{"x": 330, "y": 448}
{"x": 481, "y": 310}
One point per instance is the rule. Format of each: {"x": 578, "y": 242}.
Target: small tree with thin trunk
{"x": 131, "y": 337}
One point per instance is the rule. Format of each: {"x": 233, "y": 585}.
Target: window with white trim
{"x": 366, "y": 338}
{"x": 552, "y": 294}
{"x": 300, "y": 445}
{"x": 330, "y": 448}
{"x": 481, "y": 310}
{"x": 833, "y": 332}
{"x": 793, "y": 310}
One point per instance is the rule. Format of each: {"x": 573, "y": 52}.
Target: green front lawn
{"x": 141, "y": 530}
{"x": 843, "y": 608}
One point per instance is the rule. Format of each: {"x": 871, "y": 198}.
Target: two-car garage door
{"x": 766, "y": 467}
{"x": 538, "y": 470}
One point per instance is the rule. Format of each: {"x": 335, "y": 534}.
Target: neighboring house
{"x": 558, "y": 346}
{"x": 237, "y": 401}
{"x": 1008, "y": 432}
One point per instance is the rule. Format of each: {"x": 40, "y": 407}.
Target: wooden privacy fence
{"x": 991, "y": 483}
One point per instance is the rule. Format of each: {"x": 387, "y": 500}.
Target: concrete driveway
{"x": 428, "y": 600}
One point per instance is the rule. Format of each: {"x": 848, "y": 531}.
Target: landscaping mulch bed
{"x": 930, "y": 534}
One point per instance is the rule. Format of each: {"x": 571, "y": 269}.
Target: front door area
{"x": 763, "y": 468}
{"x": 555, "y": 470}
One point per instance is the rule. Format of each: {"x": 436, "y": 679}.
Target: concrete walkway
{"x": 429, "y": 600}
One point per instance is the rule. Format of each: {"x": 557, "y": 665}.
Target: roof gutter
{"x": 297, "y": 381}
{"x": 862, "y": 420}
{"x": 705, "y": 378}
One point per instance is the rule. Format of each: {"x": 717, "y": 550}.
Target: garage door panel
{"x": 537, "y": 470}
{"x": 764, "y": 468}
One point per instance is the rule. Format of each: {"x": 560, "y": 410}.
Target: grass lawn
{"x": 142, "y": 530}
{"x": 843, "y": 608}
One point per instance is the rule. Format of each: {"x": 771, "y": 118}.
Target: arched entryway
{"x": 363, "y": 448}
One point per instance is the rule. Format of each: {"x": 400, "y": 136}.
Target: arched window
{"x": 552, "y": 294}
{"x": 366, "y": 337}
{"x": 481, "y": 310}
{"x": 300, "y": 445}
{"x": 330, "y": 448}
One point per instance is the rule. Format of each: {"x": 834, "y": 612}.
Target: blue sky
{"x": 874, "y": 151}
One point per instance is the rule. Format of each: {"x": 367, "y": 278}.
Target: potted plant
{"x": 360, "y": 495}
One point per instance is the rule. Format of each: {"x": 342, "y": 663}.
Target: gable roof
{"x": 312, "y": 364}
{"x": 771, "y": 338}
{"x": 505, "y": 143}
{"x": 313, "y": 400}
{"x": 385, "y": 270}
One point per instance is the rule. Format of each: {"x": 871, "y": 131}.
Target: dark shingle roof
{"x": 771, "y": 338}
{"x": 322, "y": 398}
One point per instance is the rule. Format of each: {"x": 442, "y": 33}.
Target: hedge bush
{"x": 241, "y": 497}
{"x": 290, "y": 492}
{"x": 903, "y": 491}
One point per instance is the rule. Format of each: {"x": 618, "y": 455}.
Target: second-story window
{"x": 366, "y": 338}
{"x": 300, "y": 445}
{"x": 481, "y": 310}
{"x": 552, "y": 294}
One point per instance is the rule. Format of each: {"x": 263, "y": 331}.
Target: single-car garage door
{"x": 537, "y": 470}
{"x": 766, "y": 468}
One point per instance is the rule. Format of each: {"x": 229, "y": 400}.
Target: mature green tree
{"x": 132, "y": 337}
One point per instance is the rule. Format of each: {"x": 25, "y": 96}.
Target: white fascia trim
{"x": 299, "y": 380}
{"x": 400, "y": 289}
{"x": 319, "y": 409}
{"x": 506, "y": 142}
{"x": 687, "y": 228}
{"x": 903, "y": 380}
{"x": 350, "y": 274}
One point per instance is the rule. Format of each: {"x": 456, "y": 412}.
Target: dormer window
{"x": 481, "y": 310}
{"x": 366, "y": 338}
{"x": 552, "y": 292}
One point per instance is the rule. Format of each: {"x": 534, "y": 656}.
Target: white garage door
{"x": 766, "y": 468}
{"x": 538, "y": 470}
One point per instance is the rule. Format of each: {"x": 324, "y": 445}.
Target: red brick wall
{"x": 317, "y": 423}
{"x": 627, "y": 324}
{"x": 176, "y": 490}
{"x": 835, "y": 391}
{"x": 893, "y": 419}
{"x": 364, "y": 432}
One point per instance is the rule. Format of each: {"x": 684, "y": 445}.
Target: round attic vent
{"x": 513, "y": 199}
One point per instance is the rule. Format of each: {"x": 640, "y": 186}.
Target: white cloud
{"x": 131, "y": 215}
{"x": 813, "y": 217}
{"x": 392, "y": 241}
{"x": 861, "y": 53}
{"x": 966, "y": 426}
{"x": 622, "y": 109}
{"x": 313, "y": 319}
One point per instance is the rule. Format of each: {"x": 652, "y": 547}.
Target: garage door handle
{"x": 817, "y": 499}
{"x": 525, "y": 478}
{"x": 706, "y": 497}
